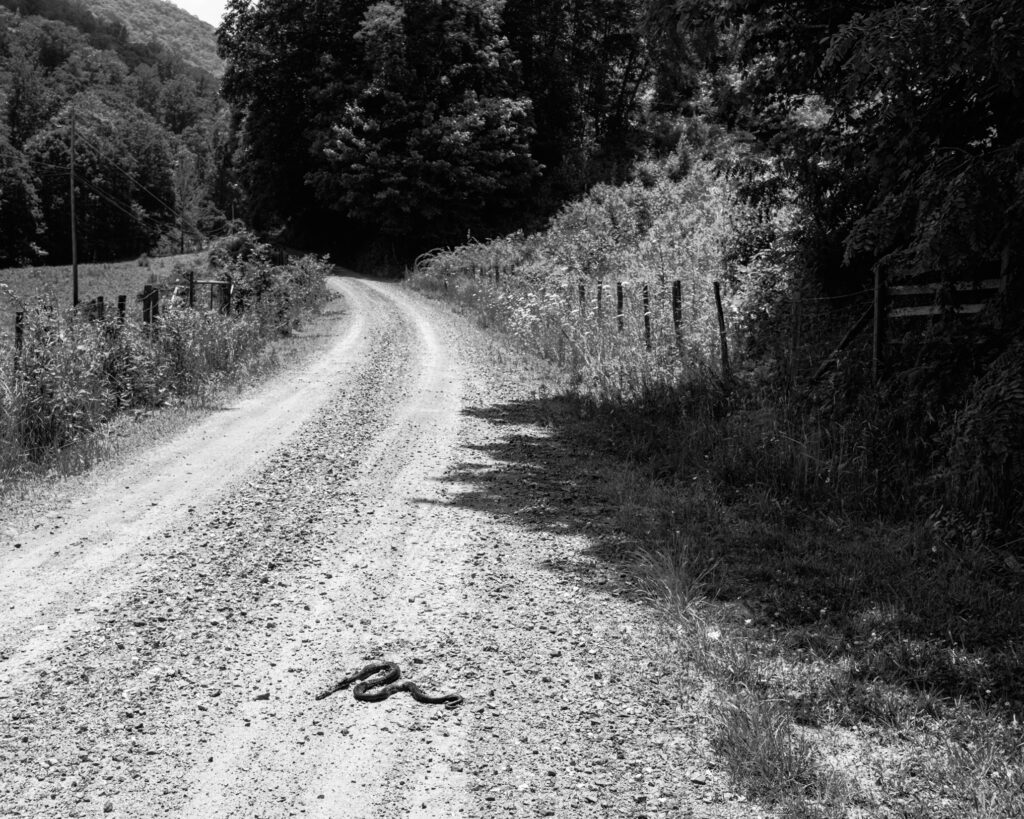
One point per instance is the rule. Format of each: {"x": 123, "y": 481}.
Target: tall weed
{"x": 557, "y": 293}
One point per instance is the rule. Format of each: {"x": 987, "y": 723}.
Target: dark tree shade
{"x": 899, "y": 125}
{"x": 292, "y": 66}
{"x": 20, "y": 214}
{"x": 436, "y": 143}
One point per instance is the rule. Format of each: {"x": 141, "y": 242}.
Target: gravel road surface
{"x": 164, "y": 633}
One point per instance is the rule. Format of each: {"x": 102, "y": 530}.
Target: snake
{"x": 386, "y": 684}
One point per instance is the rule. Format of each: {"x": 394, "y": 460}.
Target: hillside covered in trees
{"x": 145, "y": 21}
{"x": 152, "y": 137}
{"x": 174, "y": 28}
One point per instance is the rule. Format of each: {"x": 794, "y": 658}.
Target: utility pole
{"x": 74, "y": 233}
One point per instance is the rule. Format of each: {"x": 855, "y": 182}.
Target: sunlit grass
{"x": 21, "y": 285}
{"x": 74, "y": 373}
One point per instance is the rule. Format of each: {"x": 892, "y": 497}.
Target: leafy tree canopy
{"x": 417, "y": 120}
{"x": 436, "y": 143}
{"x": 898, "y": 125}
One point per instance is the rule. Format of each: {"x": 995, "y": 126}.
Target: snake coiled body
{"x": 385, "y": 684}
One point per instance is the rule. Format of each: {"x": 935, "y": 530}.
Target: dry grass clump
{"x": 761, "y": 748}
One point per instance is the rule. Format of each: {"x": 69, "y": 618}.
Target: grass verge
{"x": 72, "y": 374}
{"x": 857, "y": 666}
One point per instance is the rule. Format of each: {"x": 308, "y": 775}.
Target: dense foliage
{"x": 411, "y": 123}
{"x": 156, "y": 20}
{"x": 436, "y": 142}
{"x": 850, "y": 141}
{"x": 897, "y": 126}
{"x": 152, "y": 149}
{"x": 147, "y": 25}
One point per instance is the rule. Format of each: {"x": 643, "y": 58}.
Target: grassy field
{"x": 109, "y": 280}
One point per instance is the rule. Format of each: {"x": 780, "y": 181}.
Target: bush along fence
{"x": 220, "y": 297}
{"x": 630, "y": 335}
{"x": 67, "y": 371}
{"x": 664, "y": 325}
{"x": 807, "y": 411}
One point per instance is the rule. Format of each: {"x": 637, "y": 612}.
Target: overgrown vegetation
{"x": 867, "y": 535}
{"x": 153, "y": 20}
{"x": 71, "y": 373}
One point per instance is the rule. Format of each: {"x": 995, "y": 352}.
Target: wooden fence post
{"x": 122, "y": 306}
{"x": 191, "y": 288}
{"x": 19, "y": 337}
{"x": 878, "y": 334}
{"x": 227, "y": 289}
{"x": 647, "y": 315}
{"x": 150, "y": 303}
{"x": 618, "y": 301}
{"x": 721, "y": 331}
{"x": 583, "y": 299}
{"x": 677, "y": 306}
{"x": 600, "y": 295}
{"x": 100, "y": 309}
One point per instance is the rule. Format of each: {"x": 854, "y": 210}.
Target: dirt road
{"x": 163, "y": 635}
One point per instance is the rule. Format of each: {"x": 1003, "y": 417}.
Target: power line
{"x": 54, "y": 171}
{"x": 100, "y": 155}
{"x": 121, "y": 205}
{"x": 134, "y": 180}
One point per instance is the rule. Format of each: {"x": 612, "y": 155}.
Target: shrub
{"x": 73, "y": 374}
{"x": 58, "y": 391}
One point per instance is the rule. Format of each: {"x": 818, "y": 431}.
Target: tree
{"x": 20, "y": 215}
{"x": 931, "y": 100}
{"x": 437, "y": 141}
{"x": 584, "y": 65}
{"x": 189, "y": 191}
{"x": 292, "y": 66}
{"x": 896, "y": 125}
{"x": 124, "y": 191}
{"x": 30, "y": 102}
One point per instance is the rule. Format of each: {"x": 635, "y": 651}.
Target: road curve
{"x": 163, "y": 636}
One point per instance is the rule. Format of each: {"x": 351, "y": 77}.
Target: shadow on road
{"x": 858, "y": 596}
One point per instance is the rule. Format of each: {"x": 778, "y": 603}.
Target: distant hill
{"x": 152, "y": 128}
{"x": 189, "y": 37}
